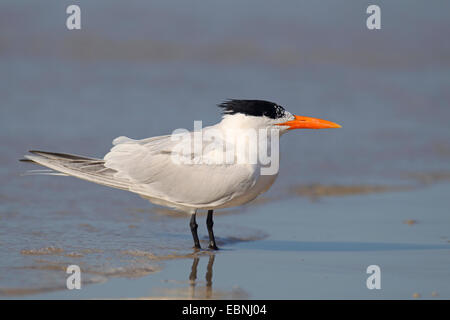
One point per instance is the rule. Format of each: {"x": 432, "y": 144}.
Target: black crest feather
{"x": 256, "y": 108}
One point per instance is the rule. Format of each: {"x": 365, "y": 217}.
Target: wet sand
{"x": 373, "y": 192}
{"x": 318, "y": 249}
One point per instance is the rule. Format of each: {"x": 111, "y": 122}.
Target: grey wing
{"x": 146, "y": 167}
{"x": 152, "y": 172}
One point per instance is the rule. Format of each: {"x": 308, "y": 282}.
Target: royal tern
{"x": 205, "y": 177}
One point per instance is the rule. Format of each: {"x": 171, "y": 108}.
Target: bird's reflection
{"x": 199, "y": 288}
{"x": 208, "y": 277}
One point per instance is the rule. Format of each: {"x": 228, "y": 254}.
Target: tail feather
{"x": 56, "y": 155}
{"x": 44, "y": 172}
{"x": 90, "y": 169}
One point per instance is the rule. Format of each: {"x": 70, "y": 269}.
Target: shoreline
{"x": 304, "y": 253}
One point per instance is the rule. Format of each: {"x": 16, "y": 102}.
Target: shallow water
{"x": 317, "y": 249}
{"x": 372, "y": 192}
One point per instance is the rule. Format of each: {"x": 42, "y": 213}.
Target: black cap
{"x": 257, "y": 108}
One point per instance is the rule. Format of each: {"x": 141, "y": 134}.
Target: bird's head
{"x": 266, "y": 114}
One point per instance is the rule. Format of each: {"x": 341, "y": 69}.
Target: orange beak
{"x": 301, "y": 122}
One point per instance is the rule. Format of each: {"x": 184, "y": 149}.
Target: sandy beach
{"x": 374, "y": 192}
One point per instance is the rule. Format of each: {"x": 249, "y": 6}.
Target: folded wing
{"x": 150, "y": 168}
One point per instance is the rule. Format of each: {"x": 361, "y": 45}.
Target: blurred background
{"x": 145, "y": 68}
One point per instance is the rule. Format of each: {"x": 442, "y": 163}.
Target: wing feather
{"x": 149, "y": 166}
{"x": 146, "y": 167}
{"x": 90, "y": 169}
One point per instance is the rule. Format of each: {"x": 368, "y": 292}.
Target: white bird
{"x": 161, "y": 170}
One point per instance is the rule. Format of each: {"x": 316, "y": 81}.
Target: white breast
{"x": 263, "y": 183}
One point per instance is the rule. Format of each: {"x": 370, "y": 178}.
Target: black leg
{"x": 193, "y": 224}
{"x": 209, "y": 224}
